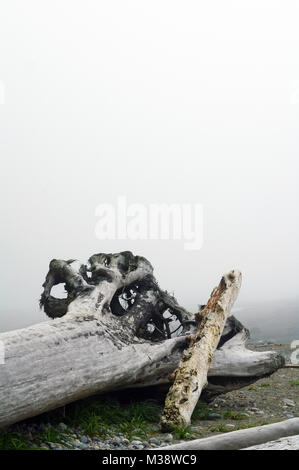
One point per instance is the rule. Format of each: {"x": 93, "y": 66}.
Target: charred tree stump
{"x": 116, "y": 329}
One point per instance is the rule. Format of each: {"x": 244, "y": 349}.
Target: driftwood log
{"x": 241, "y": 439}
{"x": 115, "y": 329}
{"x": 192, "y": 374}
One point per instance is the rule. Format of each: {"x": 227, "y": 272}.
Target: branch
{"x": 191, "y": 375}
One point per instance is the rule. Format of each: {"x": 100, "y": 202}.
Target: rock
{"x": 43, "y": 444}
{"x": 74, "y": 442}
{"x": 168, "y": 438}
{"x": 116, "y": 440}
{"x": 83, "y": 447}
{"x": 230, "y": 426}
{"x": 288, "y": 402}
{"x": 62, "y": 427}
{"x": 84, "y": 439}
{"x": 214, "y": 416}
{"x": 136, "y": 443}
{"x": 196, "y": 428}
{"x": 156, "y": 427}
{"x": 154, "y": 440}
{"x": 52, "y": 445}
{"x": 139, "y": 446}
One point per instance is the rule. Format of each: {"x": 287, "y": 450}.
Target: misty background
{"x": 163, "y": 102}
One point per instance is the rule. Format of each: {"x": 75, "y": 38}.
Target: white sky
{"x": 161, "y": 101}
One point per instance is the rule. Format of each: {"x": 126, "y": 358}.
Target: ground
{"x": 122, "y": 421}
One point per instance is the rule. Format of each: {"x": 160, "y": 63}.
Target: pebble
{"x": 136, "y": 443}
{"x": 62, "y": 427}
{"x": 153, "y": 440}
{"x": 288, "y": 402}
{"x": 83, "y": 447}
{"x": 195, "y": 428}
{"x": 156, "y": 428}
{"x": 214, "y": 416}
{"x": 52, "y": 445}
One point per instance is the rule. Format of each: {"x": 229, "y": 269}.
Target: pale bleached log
{"x": 241, "y": 439}
{"x": 191, "y": 375}
{"x": 90, "y": 349}
{"x": 56, "y": 362}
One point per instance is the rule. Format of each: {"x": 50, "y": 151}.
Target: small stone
{"x": 153, "y": 440}
{"x": 214, "y": 416}
{"x": 43, "y": 444}
{"x": 230, "y": 426}
{"x": 116, "y": 440}
{"x": 288, "y": 402}
{"x": 84, "y": 439}
{"x": 139, "y": 446}
{"x": 75, "y": 442}
{"x": 156, "y": 427}
{"x": 136, "y": 443}
{"x": 52, "y": 445}
{"x": 196, "y": 428}
{"x": 83, "y": 447}
{"x": 168, "y": 438}
{"x": 62, "y": 426}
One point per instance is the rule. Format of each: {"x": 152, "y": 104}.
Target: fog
{"x": 161, "y": 102}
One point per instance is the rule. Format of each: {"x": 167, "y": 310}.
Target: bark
{"x": 191, "y": 375}
{"x": 114, "y": 331}
{"x": 241, "y": 439}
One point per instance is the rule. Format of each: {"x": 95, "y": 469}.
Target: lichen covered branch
{"x": 191, "y": 375}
